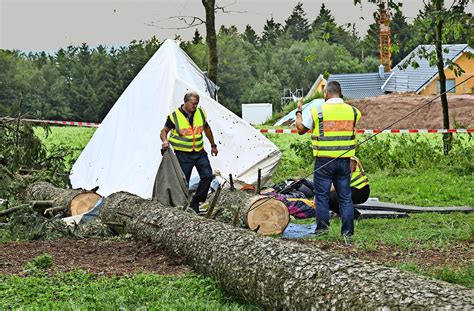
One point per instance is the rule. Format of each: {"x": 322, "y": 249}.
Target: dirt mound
{"x": 381, "y": 111}
{"x": 100, "y": 257}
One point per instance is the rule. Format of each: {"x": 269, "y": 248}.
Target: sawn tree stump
{"x": 266, "y": 215}
{"x": 74, "y": 201}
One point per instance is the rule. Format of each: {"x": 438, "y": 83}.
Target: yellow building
{"x": 466, "y": 62}
{"x": 424, "y": 79}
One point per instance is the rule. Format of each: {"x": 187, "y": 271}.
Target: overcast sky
{"x": 47, "y": 25}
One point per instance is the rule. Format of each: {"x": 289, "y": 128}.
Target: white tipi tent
{"x": 124, "y": 153}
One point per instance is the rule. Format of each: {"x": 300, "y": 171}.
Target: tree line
{"x": 82, "y": 83}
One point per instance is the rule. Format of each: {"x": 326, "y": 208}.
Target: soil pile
{"x": 380, "y": 111}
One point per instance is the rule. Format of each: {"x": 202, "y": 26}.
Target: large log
{"x": 277, "y": 274}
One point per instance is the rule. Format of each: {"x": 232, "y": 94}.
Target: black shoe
{"x": 194, "y": 206}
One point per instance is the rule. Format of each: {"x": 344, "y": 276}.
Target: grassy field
{"x": 400, "y": 243}
{"x": 74, "y": 137}
{"x": 82, "y": 291}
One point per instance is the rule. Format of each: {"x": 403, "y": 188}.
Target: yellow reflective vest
{"x": 185, "y": 137}
{"x": 358, "y": 178}
{"x": 333, "y": 131}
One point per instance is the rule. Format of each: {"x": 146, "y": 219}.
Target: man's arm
{"x": 210, "y": 137}
{"x": 164, "y": 138}
{"x": 299, "y": 118}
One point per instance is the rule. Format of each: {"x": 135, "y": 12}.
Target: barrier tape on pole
{"x": 282, "y": 131}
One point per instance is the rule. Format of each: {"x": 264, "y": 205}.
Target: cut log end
{"x": 266, "y": 216}
{"x": 83, "y": 202}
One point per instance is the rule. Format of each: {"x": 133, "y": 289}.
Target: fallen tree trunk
{"x": 278, "y": 274}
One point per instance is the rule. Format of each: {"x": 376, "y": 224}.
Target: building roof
{"x": 360, "y": 85}
{"x": 414, "y": 80}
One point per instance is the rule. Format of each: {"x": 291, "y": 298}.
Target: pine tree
{"x": 297, "y": 24}
{"x": 250, "y": 35}
{"x": 271, "y": 31}
{"x": 197, "y": 39}
{"x": 324, "y": 16}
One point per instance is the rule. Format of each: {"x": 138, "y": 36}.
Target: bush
{"x": 304, "y": 150}
{"x": 416, "y": 152}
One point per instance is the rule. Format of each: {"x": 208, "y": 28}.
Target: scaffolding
{"x": 288, "y": 96}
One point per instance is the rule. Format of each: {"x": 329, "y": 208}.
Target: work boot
{"x": 195, "y": 206}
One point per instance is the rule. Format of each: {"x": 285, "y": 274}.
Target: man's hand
{"x": 300, "y": 104}
{"x": 214, "y": 150}
{"x": 165, "y": 146}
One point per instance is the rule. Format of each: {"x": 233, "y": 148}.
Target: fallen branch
{"x": 11, "y": 210}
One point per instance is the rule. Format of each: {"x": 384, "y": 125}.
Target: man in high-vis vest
{"x": 332, "y": 125}
{"x": 360, "y": 189}
{"x": 186, "y": 124}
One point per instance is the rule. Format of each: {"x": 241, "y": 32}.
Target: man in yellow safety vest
{"x": 332, "y": 126}
{"x": 186, "y": 124}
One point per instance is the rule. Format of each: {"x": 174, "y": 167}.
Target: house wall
{"x": 319, "y": 87}
{"x": 466, "y": 88}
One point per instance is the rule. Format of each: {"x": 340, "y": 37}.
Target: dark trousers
{"x": 189, "y": 160}
{"x": 338, "y": 173}
{"x": 359, "y": 196}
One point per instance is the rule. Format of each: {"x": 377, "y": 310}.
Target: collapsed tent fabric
{"x": 170, "y": 187}
{"x": 290, "y": 118}
{"x": 124, "y": 152}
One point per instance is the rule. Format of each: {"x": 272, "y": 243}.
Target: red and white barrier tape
{"x": 392, "y": 131}
{"x": 72, "y": 123}
{"x": 283, "y": 131}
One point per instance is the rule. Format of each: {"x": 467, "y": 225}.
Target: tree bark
{"x": 211, "y": 39}
{"x": 447, "y": 137}
{"x": 277, "y": 274}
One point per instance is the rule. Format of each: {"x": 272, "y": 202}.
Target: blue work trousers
{"x": 189, "y": 160}
{"x": 338, "y": 173}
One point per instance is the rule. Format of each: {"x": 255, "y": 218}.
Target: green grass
{"x": 464, "y": 276}
{"x": 417, "y": 231}
{"x": 291, "y": 166}
{"x": 83, "y": 291}
{"x": 433, "y": 187}
{"x": 74, "y": 137}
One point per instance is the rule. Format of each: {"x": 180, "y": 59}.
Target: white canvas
{"x": 291, "y": 116}
{"x": 124, "y": 152}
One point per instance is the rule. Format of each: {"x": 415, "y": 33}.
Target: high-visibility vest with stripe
{"x": 334, "y": 130}
{"x": 358, "y": 178}
{"x": 185, "y": 137}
